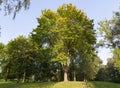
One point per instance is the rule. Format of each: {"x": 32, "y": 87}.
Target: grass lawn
{"x": 59, "y": 85}
{"x": 98, "y": 84}
{"x": 26, "y": 85}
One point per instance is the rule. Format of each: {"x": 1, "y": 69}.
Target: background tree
{"x": 108, "y": 72}
{"x": 90, "y": 67}
{"x": 113, "y": 73}
{"x": 20, "y": 60}
{"x": 110, "y": 30}
{"x": 2, "y": 56}
{"x": 2, "y": 46}
{"x": 102, "y": 74}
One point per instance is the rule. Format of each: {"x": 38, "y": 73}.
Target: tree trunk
{"x": 33, "y": 78}
{"x": 65, "y": 69}
{"x": 85, "y": 79}
{"x": 18, "y": 80}
{"x": 74, "y": 75}
{"x": 6, "y": 75}
{"x": 65, "y": 76}
{"x": 24, "y": 77}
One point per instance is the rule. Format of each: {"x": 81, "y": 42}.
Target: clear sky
{"x": 25, "y": 21}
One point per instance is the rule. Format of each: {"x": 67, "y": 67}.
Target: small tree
{"x": 21, "y": 58}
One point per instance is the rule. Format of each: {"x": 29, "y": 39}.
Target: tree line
{"x": 63, "y": 46}
{"x": 110, "y": 38}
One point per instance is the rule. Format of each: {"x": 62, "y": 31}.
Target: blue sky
{"x": 26, "y": 20}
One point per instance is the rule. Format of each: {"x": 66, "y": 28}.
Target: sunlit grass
{"x": 44, "y": 85}
{"x": 69, "y": 85}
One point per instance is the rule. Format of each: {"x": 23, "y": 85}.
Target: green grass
{"x": 69, "y": 85}
{"x": 105, "y": 84}
{"x": 26, "y": 85}
{"x": 60, "y": 85}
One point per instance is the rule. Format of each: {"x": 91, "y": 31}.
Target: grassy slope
{"x": 60, "y": 85}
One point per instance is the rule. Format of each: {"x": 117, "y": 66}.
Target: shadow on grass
{"x": 8, "y": 85}
{"x": 27, "y": 85}
{"x": 101, "y": 84}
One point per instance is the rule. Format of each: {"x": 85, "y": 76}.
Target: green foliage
{"x": 20, "y": 58}
{"x": 108, "y": 72}
{"x": 116, "y": 58}
{"x": 2, "y": 55}
{"x": 63, "y": 40}
{"x": 2, "y": 50}
{"x": 90, "y": 67}
{"x": 102, "y": 74}
{"x": 62, "y": 32}
{"x": 68, "y": 33}
{"x": 110, "y": 30}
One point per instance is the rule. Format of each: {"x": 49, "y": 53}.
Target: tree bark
{"x": 65, "y": 69}
{"x": 6, "y": 75}
{"x": 65, "y": 76}
{"x": 74, "y": 75}
{"x": 33, "y": 78}
{"x": 24, "y": 77}
{"x": 18, "y": 80}
{"x": 85, "y": 79}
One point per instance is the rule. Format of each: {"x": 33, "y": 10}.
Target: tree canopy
{"x": 69, "y": 34}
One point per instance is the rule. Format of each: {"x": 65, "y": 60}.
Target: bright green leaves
{"x": 59, "y": 53}
{"x": 61, "y": 58}
{"x": 58, "y": 47}
{"x": 116, "y": 57}
{"x": 2, "y": 50}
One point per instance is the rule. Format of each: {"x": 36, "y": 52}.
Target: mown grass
{"x": 98, "y": 84}
{"x": 26, "y": 85}
{"x": 69, "y": 85}
{"x": 59, "y": 85}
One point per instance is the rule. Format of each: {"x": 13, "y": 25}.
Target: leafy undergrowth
{"x": 60, "y": 85}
